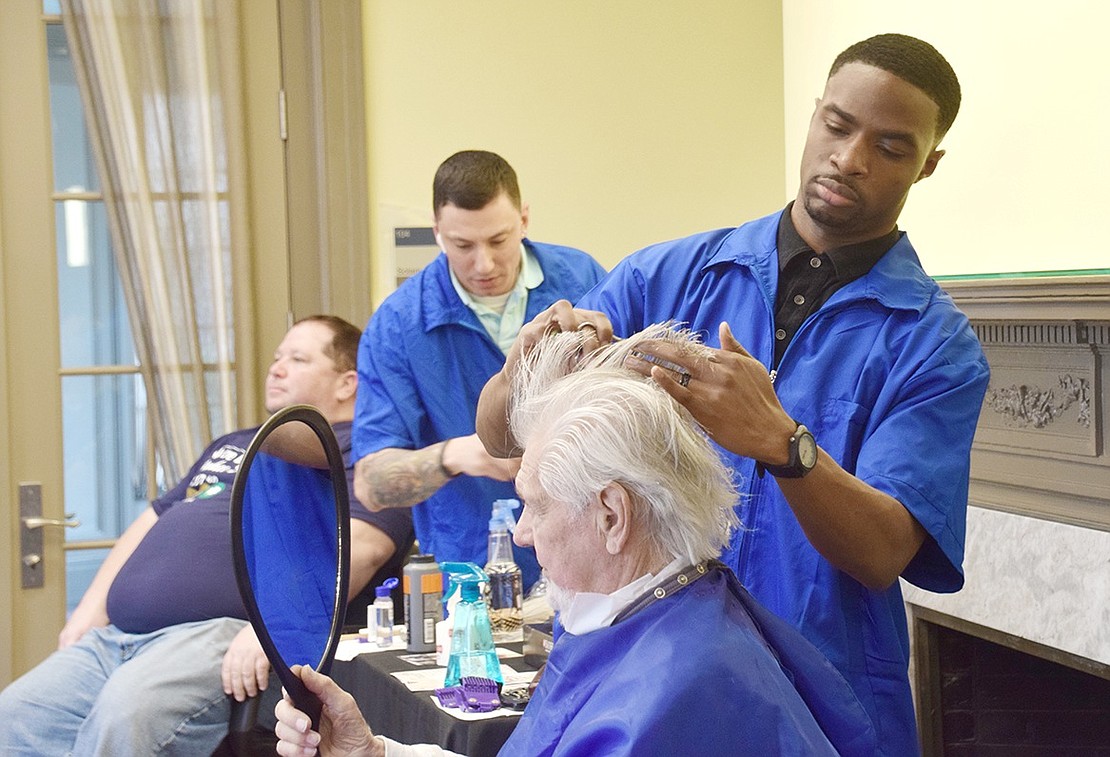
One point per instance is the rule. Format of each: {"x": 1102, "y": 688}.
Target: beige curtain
{"x": 159, "y": 80}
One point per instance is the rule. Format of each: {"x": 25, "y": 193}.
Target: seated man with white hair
{"x": 662, "y": 651}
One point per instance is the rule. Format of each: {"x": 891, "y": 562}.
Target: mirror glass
{"x": 290, "y": 520}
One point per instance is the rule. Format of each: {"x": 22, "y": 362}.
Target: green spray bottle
{"x": 472, "y": 649}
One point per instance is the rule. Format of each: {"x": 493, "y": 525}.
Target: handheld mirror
{"x": 290, "y": 535}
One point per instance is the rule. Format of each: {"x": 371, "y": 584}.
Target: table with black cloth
{"x": 411, "y": 717}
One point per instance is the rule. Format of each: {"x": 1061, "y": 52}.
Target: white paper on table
{"x": 455, "y": 712}
{"x": 512, "y": 678}
{"x": 349, "y": 649}
{"x": 430, "y": 679}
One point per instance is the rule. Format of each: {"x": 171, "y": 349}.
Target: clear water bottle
{"x": 383, "y": 613}
{"x": 506, "y": 586}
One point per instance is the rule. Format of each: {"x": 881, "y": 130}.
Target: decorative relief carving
{"x": 1025, "y": 406}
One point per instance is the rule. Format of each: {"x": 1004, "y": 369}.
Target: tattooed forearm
{"x": 399, "y": 477}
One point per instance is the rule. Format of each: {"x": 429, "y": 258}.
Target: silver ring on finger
{"x": 684, "y": 379}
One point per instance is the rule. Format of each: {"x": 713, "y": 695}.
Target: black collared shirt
{"x": 807, "y": 279}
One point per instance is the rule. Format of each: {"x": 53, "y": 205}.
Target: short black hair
{"x": 914, "y": 61}
{"x": 343, "y": 349}
{"x": 471, "y": 179}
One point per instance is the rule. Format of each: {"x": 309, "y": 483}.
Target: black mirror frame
{"x": 304, "y": 700}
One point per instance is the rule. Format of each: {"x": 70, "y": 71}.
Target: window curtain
{"x": 159, "y": 80}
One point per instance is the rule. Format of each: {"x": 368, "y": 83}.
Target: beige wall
{"x": 628, "y": 122}
{"x": 635, "y": 122}
{"x": 1028, "y": 159}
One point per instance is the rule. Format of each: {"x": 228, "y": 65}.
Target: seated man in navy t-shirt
{"x": 159, "y": 640}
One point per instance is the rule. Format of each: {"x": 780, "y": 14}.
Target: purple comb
{"x": 452, "y": 696}
{"x": 480, "y": 694}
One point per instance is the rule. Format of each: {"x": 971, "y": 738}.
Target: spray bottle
{"x": 506, "y": 587}
{"x": 472, "y": 649}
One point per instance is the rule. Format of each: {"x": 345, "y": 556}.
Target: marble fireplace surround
{"x": 1037, "y": 564}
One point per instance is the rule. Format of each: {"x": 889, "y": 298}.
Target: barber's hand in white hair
{"x": 492, "y": 414}
{"x": 467, "y": 455}
{"x": 730, "y": 395}
{"x": 343, "y": 731}
{"x": 561, "y": 316}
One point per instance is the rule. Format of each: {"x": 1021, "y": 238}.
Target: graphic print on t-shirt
{"x": 223, "y": 461}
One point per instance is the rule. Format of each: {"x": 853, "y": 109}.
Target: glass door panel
{"x": 106, "y": 470}
{"x": 107, "y": 457}
{"x": 74, "y": 164}
{"x": 94, "y": 326}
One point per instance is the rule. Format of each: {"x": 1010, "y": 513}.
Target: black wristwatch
{"x": 803, "y": 456}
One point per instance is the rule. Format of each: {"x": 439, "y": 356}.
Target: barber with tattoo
{"x": 432, "y": 345}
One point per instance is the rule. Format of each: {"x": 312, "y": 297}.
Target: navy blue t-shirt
{"x": 182, "y": 571}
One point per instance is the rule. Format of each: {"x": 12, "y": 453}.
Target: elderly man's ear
{"x": 615, "y": 517}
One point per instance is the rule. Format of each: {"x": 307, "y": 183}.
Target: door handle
{"x": 35, "y": 522}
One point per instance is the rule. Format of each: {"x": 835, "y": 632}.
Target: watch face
{"x": 807, "y": 450}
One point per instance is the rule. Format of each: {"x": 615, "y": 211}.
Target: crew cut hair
{"x": 588, "y": 422}
{"x": 471, "y": 179}
{"x": 912, "y": 60}
{"x": 343, "y": 348}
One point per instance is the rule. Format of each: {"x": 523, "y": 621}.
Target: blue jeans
{"x": 115, "y": 693}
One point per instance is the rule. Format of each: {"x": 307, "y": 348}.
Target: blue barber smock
{"x": 889, "y": 377}
{"x": 423, "y": 361}
{"x": 704, "y": 671}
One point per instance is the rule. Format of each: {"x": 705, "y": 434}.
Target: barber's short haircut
{"x": 601, "y": 423}
{"x": 343, "y": 349}
{"x": 471, "y": 179}
{"x": 914, "y": 61}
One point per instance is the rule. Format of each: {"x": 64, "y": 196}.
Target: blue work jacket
{"x": 889, "y": 377}
{"x": 423, "y": 360}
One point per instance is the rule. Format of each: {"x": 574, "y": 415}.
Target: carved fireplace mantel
{"x": 1041, "y": 448}
{"x": 1037, "y": 561}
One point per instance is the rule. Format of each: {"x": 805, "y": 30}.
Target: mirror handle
{"x": 305, "y": 701}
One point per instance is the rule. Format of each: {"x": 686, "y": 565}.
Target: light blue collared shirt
{"x": 505, "y": 325}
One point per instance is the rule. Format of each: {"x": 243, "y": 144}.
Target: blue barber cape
{"x": 706, "y": 671}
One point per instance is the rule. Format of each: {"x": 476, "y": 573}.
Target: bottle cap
{"x": 502, "y": 518}
{"x": 387, "y": 586}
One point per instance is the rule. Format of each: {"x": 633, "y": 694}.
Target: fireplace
{"x": 1017, "y": 663}
{"x": 983, "y": 693}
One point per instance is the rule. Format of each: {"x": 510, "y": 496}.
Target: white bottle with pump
{"x": 506, "y": 587}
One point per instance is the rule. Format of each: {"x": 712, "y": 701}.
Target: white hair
{"x": 588, "y": 421}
